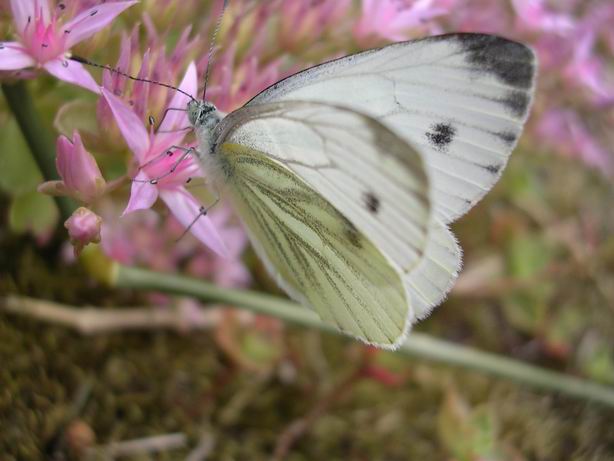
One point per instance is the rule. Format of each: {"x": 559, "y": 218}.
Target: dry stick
{"x": 153, "y": 444}
{"x": 91, "y": 320}
{"x": 203, "y": 449}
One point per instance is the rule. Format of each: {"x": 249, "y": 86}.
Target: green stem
{"x": 37, "y": 135}
{"x": 417, "y": 345}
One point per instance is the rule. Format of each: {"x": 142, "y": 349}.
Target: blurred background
{"x": 537, "y": 283}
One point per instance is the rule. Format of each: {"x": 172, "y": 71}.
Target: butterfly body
{"x": 204, "y": 118}
{"x": 347, "y": 175}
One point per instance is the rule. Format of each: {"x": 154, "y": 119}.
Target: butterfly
{"x": 347, "y": 175}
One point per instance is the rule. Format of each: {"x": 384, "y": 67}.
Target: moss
{"x": 149, "y": 384}
{"x": 129, "y": 386}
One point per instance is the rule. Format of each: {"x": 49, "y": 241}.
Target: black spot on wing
{"x": 494, "y": 169}
{"x": 511, "y": 62}
{"x": 441, "y": 135}
{"x": 508, "y": 137}
{"x": 371, "y": 202}
{"x": 517, "y": 103}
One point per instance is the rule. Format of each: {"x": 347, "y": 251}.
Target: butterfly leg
{"x": 152, "y": 120}
{"x": 185, "y": 128}
{"x": 201, "y": 212}
{"x": 169, "y": 152}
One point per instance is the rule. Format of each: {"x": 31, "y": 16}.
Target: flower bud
{"x": 83, "y": 228}
{"x": 80, "y": 174}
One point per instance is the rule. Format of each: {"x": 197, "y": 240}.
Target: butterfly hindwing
{"x": 430, "y": 282}
{"x": 314, "y": 252}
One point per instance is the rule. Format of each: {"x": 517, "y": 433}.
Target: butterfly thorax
{"x": 204, "y": 117}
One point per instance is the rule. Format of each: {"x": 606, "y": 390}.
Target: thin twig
{"x": 92, "y": 320}
{"x": 145, "y": 445}
{"x": 203, "y": 449}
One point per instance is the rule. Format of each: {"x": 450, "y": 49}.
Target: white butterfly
{"x": 347, "y": 175}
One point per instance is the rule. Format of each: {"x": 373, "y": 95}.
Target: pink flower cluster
{"x": 575, "y": 44}
{"x": 262, "y": 42}
{"x": 160, "y": 158}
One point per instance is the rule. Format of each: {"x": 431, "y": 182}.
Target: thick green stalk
{"x": 417, "y": 345}
{"x": 37, "y": 135}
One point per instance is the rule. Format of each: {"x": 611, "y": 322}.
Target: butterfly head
{"x": 203, "y": 114}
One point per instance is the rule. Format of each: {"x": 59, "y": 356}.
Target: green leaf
{"x": 33, "y": 212}
{"x": 565, "y": 327}
{"x": 259, "y": 349}
{"x": 527, "y": 254}
{"x": 597, "y": 361}
{"x": 527, "y": 257}
{"x": 468, "y": 433}
{"x": 78, "y": 115}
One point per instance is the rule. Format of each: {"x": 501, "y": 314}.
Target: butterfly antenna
{"x": 218, "y": 25}
{"x": 124, "y": 74}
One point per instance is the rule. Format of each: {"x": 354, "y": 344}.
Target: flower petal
{"x": 90, "y": 21}
{"x": 13, "y": 56}
{"x": 176, "y": 119}
{"x": 186, "y": 209}
{"x": 129, "y": 124}
{"x": 142, "y": 194}
{"x": 72, "y": 72}
{"x": 25, "y": 11}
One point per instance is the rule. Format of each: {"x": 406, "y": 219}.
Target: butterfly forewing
{"x": 460, "y": 99}
{"x": 316, "y": 254}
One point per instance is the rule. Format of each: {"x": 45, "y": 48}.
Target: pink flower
{"x": 230, "y": 86}
{"x": 169, "y": 167}
{"x": 304, "y": 21}
{"x": 534, "y": 15}
{"x": 478, "y": 16}
{"x": 564, "y": 130}
{"x": 392, "y": 19}
{"x": 156, "y": 64}
{"x": 44, "y": 42}
{"x": 83, "y": 228}
{"x": 81, "y": 177}
{"x": 588, "y": 70}
{"x": 229, "y": 271}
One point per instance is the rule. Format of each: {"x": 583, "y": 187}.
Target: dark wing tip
{"x": 510, "y": 62}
